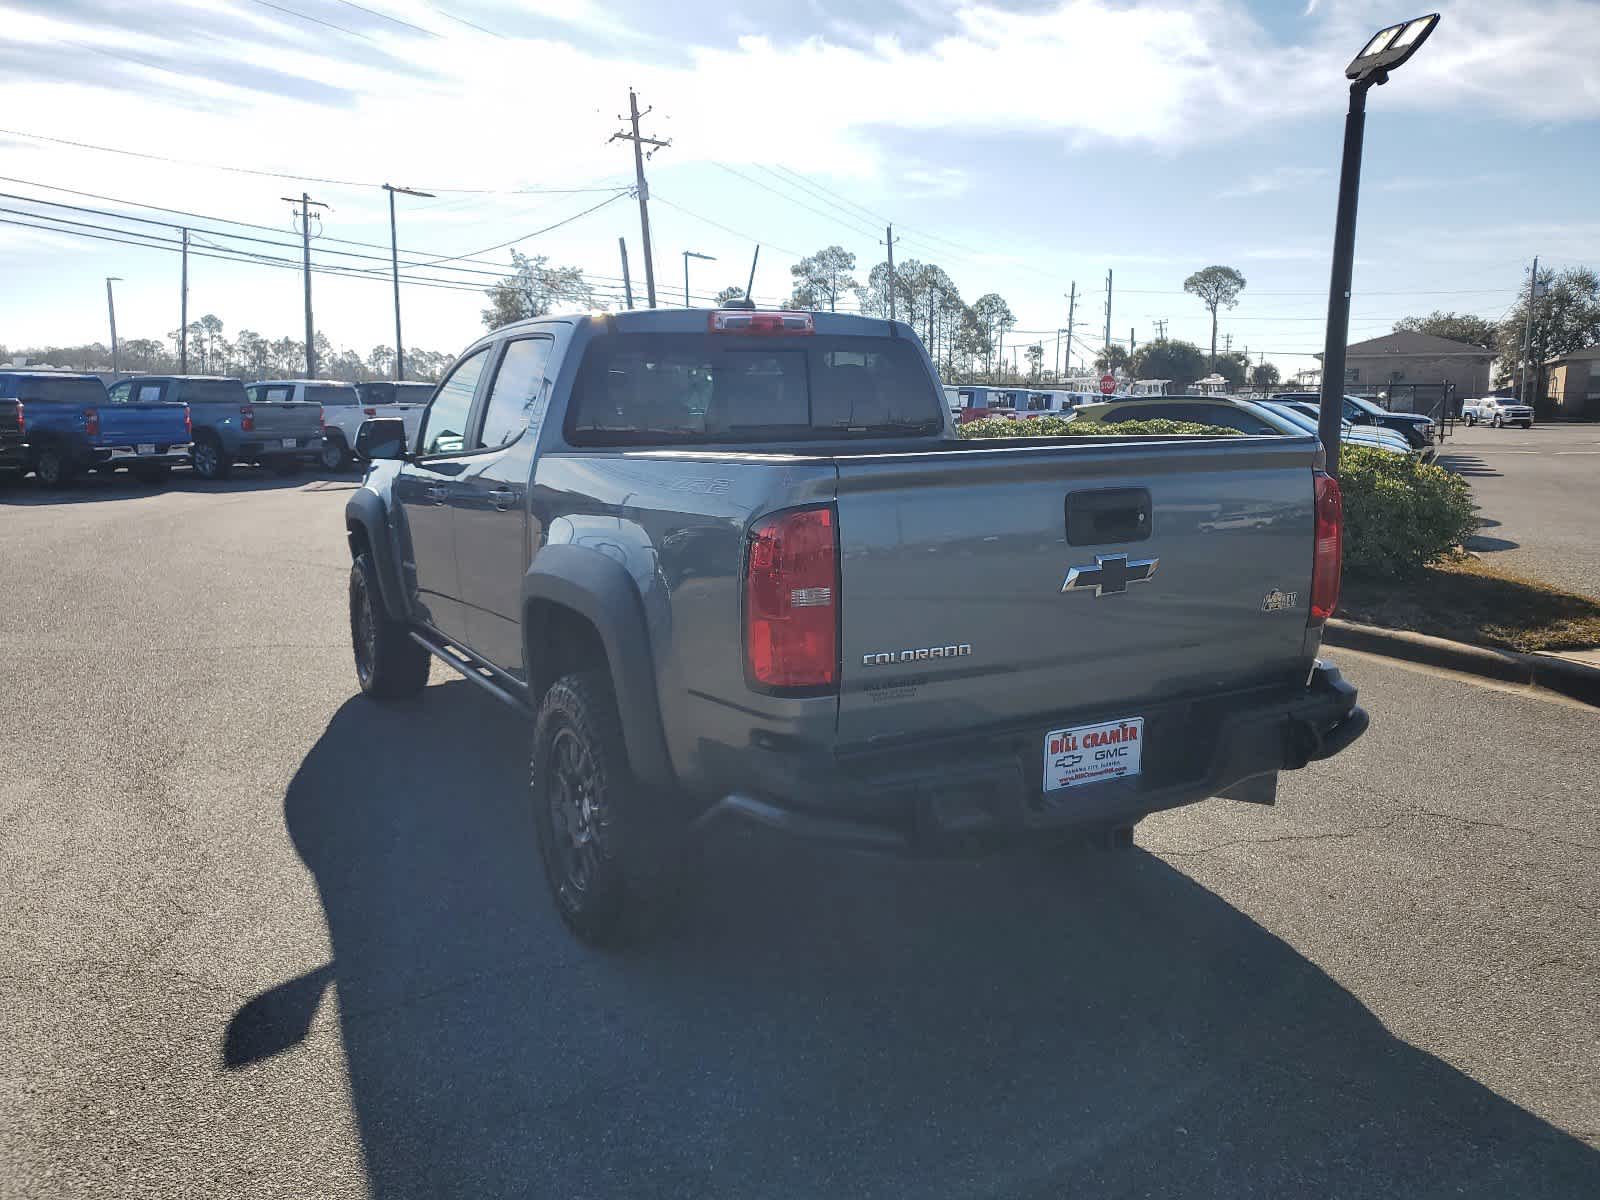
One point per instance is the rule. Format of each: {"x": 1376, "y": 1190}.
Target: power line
{"x": 660, "y": 199}
{"x": 524, "y": 237}
{"x": 315, "y": 20}
{"x": 387, "y": 17}
{"x": 353, "y": 183}
{"x": 791, "y": 199}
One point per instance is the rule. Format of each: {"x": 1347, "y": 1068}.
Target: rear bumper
{"x": 943, "y": 799}
{"x": 305, "y": 449}
{"x": 126, "y": 456}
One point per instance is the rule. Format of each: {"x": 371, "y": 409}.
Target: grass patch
{"x": 1466, "y": 600}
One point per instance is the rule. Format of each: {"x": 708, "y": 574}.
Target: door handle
{"x": 502, "y": 497}
{"x": 437, "y": 494}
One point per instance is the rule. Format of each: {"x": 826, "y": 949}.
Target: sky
{"x": 1024, "y": 146}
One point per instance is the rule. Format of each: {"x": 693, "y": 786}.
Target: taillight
{"x": 91, "y": 422}
{"x": 761, "y": 323}
{"x": 188, "y": 422}
{"x": 369, "y": 412}
{"x": 1328, "y": 559}
{"x": 22, "y": 417}
{"x": 791, "y": 597}
{"x": 322, "y": 417}
{"x": 247, "y": 418}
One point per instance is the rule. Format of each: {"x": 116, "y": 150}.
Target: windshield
{"x": 331, "y": 395}
{"x": 650, "y": 388}
{"x": 37, "y": 389}
{"x": 199, "y": 391}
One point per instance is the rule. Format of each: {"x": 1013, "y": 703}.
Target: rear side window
{"x": 644, "y": 389}
{"x": 375, "y": 393}
{"x": 35, "y": 389}
{"x": 330, "y": 397}
{"x": 202, "y": 391}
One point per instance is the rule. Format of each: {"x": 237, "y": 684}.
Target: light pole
{"x": 111, "y": 308}
{"x": 394, "y": 261}
{"x": 1385, "y": 52}
{"x": 687, "y": 255}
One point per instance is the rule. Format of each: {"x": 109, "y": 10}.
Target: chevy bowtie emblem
{"x": 1111, "y": 574}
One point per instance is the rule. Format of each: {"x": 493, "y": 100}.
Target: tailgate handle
{"x": 1108, "y": 516}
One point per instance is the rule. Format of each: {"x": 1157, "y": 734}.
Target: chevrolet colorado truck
{"x": 737, "y": 562}
{"x": 72, "y": 425}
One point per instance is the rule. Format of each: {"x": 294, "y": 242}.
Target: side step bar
{"x": 481, "y": 672}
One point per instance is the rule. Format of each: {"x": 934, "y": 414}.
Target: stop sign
{"x": 1108, "y": 384}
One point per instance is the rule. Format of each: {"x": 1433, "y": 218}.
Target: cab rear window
{"x": 653, "y": 389}
{"x": 202, "y": 391}
{"x": 330, "y": 397}
{"x": 35, "y": 389}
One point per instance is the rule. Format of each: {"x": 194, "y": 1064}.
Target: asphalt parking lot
{"x": 1532, "y": 488}
{"x": 265, "y": 938}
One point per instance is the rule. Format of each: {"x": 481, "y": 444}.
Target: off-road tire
{"x": 208, "y": 458}
{"x": 389, "y": 665}
{"x": 612, "y": 847}
{"x": 335, "y": 455}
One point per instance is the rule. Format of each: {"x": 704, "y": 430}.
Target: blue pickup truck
{"x": 72, "y": 426}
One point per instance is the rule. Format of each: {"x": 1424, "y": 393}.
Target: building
{"x": 1572, "y": 383}
{"x": 1409, "y": 357}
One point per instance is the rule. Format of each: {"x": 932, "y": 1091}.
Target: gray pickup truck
{"x": 738, "y": 563}
{"x": 232, "y": 427}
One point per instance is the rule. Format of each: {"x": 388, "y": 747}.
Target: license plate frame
{"x": 144, "y": 448}
{"x": 291, "y": 443}
{"x": 1079, "y": 755}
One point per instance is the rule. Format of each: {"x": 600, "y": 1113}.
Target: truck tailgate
{"x": 288, "y": 418}
{"x": 954, "y": 616}
{"x": 158, "y": 423}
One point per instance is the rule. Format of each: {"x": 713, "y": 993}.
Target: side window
{"x": 269, "y": 394}
{"x": 148, "y": 393}
{"x": 516, "y": 393}
{"x": 119, "y": 392}
{"x": 444, "y": 427}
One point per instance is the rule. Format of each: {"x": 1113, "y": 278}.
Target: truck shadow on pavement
{"x": 816, "y": 1024}
{"x": 1464, "y": 462}
{"x": 95, "y": 489}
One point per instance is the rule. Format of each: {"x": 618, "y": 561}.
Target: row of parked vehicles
{"x": 60, "y": 426}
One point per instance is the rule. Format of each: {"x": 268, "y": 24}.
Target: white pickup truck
{"x": 1496, "y": 411}
{"x": 346, "y": 405}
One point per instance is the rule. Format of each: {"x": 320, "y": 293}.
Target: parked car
{"x": 230, "y": 427}
{"x": 344, "y": 407}
{"x": 1200, "y": 410}
{"x": 977, "y": 403}
{"x": 72, "y": 426}
{"x": 737, "y": 564}
{"x": 1416, "y": 428}
{"x": 13, "y": 449}
{"x": 1495, "y": 411}
{"x": 1307, "y": 415}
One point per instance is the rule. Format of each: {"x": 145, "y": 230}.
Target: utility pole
{"x": 639, "y": 143}
{"x": 1130, "y": 341}
{"x": 1072, "y": 306}
{"x": 888, "y": 234}
{"x": 1108, "y": 310}
{"x": 111, "y": 308}
{"x": 183, "y": 311}
{"x": 305, "y": 214}
{"x": 751, "y": 283}
{"x": 1527, "y": 334}
{"x": 1161, "y": 329}
{"x": 627, "y": 284}
{"x": 394, "y": 261}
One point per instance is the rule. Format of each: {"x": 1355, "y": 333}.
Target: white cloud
{"x": 1277, "y": 179}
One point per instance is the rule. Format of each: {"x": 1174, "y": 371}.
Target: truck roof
{"x": 695, "y": 320}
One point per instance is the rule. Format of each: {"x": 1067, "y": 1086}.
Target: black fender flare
{"x": 600, "y": 589}
{"x": 364, "y": 510}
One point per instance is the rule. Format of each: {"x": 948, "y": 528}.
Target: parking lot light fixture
{"x": 1383, "y": 53}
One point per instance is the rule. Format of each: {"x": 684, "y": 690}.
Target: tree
{"x": 380, "y": 360}
{"x": 1264, "y": 376}
{"x": 533, "y": 289}
{"x": 1035, "y": 357}
{"x": 732, "y": 292}
{"x": 1235, "y": 368}
{"x": 1113, "y": 358}
{"x": 1217, "y": 287}
{"x": 215, "y": 347}
{"x": 1566, "y": 317}
{"x": 1181, "y": 363}
{"x": 1458, "y": 327}
{"x": 820, "y": 277}
{"x": 994, "y": 317}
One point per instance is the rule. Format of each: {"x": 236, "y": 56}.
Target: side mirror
{"x": 381, "y": 438}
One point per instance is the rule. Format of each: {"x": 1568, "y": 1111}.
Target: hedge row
{"x": 1000, "y": 427}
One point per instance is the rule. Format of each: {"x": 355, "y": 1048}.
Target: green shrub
{"x": 1400, "y": 514}
{"x": 1000, "y": 427}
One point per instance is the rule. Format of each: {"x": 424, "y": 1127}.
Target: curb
{"x": 1578, "y": 680}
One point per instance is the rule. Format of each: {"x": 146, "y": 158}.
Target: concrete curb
{"x": 1550, "y": 671}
